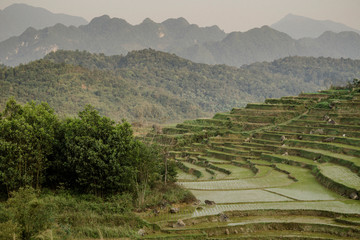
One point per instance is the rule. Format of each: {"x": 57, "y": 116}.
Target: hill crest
{"x": 16, "y": 18}
{"x": 300, "y": 27}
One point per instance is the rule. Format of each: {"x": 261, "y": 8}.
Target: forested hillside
{"x": 155, "y": 86}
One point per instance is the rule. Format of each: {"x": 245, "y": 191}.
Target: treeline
{"x": 154, "y": 86}
{"x": 77, "y": 177}
{"x": 85, "y": 154}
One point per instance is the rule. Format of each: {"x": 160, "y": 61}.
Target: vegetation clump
{"x": 60, "y": 175}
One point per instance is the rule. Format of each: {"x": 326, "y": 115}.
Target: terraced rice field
{"x": 274, "y": 178}
{"x": 341, "y": 175}
{"x": 281, "y": 168}
{"x": 236, "y": 172}
{"x": 237, "y": 196}
{"x": 184, "y": 176}
{"x": 306, "y": 188}
{"x": 332, "y": 206}
{"x": 204, "y": 174}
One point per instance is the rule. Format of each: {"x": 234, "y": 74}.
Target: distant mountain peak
{"x": 29, "y": 30}
{"x": 347, "y": 34}
{"x": 103, "y": 18}
{"x": 105, "y": 21}
{"x": 16, "y": 18}
{"x": 178, "y": 21}
{"x": 300, "y": 27}
{"x": 20, "y": 5}
{"x": 147, "y": 21}
{"x": 291, "y": 15}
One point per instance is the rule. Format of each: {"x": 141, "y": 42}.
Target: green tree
{"x": 26, "y": 141}
{"x": 145, "y": 169}
{"x": 100, "y": 157}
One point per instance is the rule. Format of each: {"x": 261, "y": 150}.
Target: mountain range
{"x": 16, "y": 18}
{"x": 210, "y": 45}
{"x": 300, "y": 27}
{"x": 149, "y": 85}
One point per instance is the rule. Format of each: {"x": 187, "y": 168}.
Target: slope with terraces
{"x": 287, "y": 168}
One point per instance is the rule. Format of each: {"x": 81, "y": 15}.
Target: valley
{"x": 126, "y": 120}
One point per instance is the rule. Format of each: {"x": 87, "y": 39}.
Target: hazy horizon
{"x": 229, "y": 15}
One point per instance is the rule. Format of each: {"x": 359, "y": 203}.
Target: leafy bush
{"x": 170, "y": 193}
{"x": 323, "y": 105}
{"x": 31, "y": 214}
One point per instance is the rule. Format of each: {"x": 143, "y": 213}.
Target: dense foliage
{"x": 29, "y": 214}
{"x": 88, "y": 154}
{"x": 27, "y": 135}
{"x": 154, "y": 86}
{"x": 25, "y": 215}
{"x": 79, "y": 177}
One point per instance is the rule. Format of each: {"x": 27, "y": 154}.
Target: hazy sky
{"x": 229, "y": 15}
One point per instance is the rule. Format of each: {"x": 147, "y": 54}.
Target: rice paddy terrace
{"x": 287, "y": 168}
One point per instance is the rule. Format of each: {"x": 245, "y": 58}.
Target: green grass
{"x": 83, "y": 216}
{"x": 259, "y": 161}
{"x": 213, "y": 160}
{"x": 333, "y": 147}
{"x": 328, "y": 154}
{"x": 294, "y": 219}
{"x": 288, "y": 159}
{"x": 263, "y": 171}
{"x": 221, "y": 155}
{"x": 230, "y": 150}
{"x": 235, "y": 221}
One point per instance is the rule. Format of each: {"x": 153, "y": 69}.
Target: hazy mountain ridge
{"x": 300, "y": 27}
{"x": 107, "y": 35}
{"x": 155, "y": 86}
{"x": 209, "y": 45}
{"x": 16, "y": 18}
{"x": 267, "y": 44}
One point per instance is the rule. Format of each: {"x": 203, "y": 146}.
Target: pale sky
{"x": 229, "y": 15}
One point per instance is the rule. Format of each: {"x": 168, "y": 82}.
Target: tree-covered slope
{"x": 161, "y": 87}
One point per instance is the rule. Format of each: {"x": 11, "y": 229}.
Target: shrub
{"x": 7, "y": 227}
{"x": 323, "y": 105}
{"x": 30, "y": 214}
